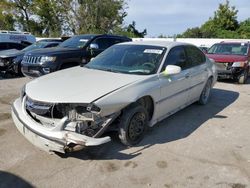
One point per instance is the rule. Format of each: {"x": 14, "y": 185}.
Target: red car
{"x": 232, "y": 60}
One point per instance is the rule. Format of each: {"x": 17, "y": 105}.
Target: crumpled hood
{"x": 227, "y": 58}
{"x": 10, "y": 53}
{"x": 51, "y": 51}
{"x": 77, "y": 85}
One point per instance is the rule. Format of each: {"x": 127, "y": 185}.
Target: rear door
{"x": 174, "y": 89}
{"x": 197, "y": 66}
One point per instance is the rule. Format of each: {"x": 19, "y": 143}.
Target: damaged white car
{"x": 127, "y": 88}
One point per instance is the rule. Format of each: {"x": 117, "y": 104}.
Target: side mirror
{"x": 172, "y": 70}
{"x": 94, "y": 46}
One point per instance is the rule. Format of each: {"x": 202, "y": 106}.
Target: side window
{"x": 176, "y": 56}
{"x": 3, "y": 46}
{"x": 114, "y": 41}
{"x": 194, "y": 56}
{"x": 15, "y": 46}
{"x": 51, "y": 45}
{"x": 103, "y": 43}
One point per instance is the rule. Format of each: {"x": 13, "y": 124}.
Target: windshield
{"x": 129, "y": 59}
{"x": 75, "y": 42}
{"x": 34, "y": 46}
{"x": 229, "y": 49}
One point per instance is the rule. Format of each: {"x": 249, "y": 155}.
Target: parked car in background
{"x": 15, "y": 40}
{"x": 232, "y": 60}
{"x": 10, "y": 60}
{"x": 127, "y": 88}
{"x": 72, "y": 52}
{"x": 203, "y": 48}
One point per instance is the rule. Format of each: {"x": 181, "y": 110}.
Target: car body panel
{"x": 227, "y": 58}
{"x": 80, "y": 82}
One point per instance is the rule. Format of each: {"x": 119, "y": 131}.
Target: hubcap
{"x": 136, "y": 126}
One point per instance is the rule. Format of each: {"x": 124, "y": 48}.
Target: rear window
{"x": 229, "y": 49}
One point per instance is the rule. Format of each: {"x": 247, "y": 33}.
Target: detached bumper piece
{"x": 51, "y": 139}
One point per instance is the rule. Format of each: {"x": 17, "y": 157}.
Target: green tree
{"x": 225, "y": 18}
{"x": 100, "y": 16}
{"x": 6, "y": 19}
{"x": 244, "y": 29}
{"x": 223, "y": 24}
{"x": 133, "y": 32}
{"x": 21, "y": 10}
{"x": 50, "y": 14}
{"x": 192, "y": 33}
{"x": 51, "y": 18}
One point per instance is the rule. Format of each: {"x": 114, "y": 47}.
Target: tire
{"x": 205, "y": 94}
{"x": 133, "y": 124}
{"x": 243, "y": 78}
{"x": 19, "y": 71}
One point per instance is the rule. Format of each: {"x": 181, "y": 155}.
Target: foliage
{"x": 133, "y": 32}
{"x": 223, "y": 24}
{"x": 6, "y": 19}
{"x": 51, "y": 18}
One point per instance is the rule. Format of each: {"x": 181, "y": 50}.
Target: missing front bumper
{"x": 50, "y": 139}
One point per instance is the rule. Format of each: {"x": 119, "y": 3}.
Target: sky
{"x": 170, "y": 17}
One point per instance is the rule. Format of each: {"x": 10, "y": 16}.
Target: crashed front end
{"x": 60, "y": 127}
{"x": 231, "y": 70}
{"x": 5, "y": 64}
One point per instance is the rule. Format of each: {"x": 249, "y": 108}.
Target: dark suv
{"x": 10, "y": 60}
{"x": 232, "y": 60}
{"x": 75, "y": 51}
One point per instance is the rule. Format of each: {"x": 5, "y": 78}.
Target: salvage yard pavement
{"x": 200, "y": 146}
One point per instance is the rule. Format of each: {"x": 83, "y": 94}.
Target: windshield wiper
{"x": 110, "y": 70}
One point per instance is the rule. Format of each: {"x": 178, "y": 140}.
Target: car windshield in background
{"x": 129, "y": 59}
{"x": 75, "y": 42}
{"x": 34, "y": 46}
{"x": 229, "y": 49}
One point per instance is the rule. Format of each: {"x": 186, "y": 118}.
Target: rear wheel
{"x": 205, "y": 94}
{"x": 133, "y": 124}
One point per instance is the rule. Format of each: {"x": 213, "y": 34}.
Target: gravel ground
{"x": 200, "y": 146}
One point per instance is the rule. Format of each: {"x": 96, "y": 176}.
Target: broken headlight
{"x": 93, "y": 108}
{"x": 23, "y": 90}
{"x": 4, "y": 62}
{"x": 239, "y": 64}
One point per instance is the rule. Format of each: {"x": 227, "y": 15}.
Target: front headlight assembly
{"x": 23, "y": 91}
{"x": 239, "y": 64}
{"x": 45, "y": 59}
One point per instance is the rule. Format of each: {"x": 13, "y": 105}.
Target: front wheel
{"x": 205, "y": 94}
{"x": 133, "y": 124}
{"x": 243, "y": 78}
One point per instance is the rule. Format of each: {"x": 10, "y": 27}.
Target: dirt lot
{"x": 200, "y": 146}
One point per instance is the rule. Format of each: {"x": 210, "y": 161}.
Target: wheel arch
{"x": 147, "y": 102}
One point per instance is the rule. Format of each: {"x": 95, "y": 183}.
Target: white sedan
{"x": 128, "y": 87}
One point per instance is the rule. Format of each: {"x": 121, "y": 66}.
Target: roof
{"x": 234, "y": 42}
{"x": 96, "y": 35}
{"x": 161, "y": 43}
